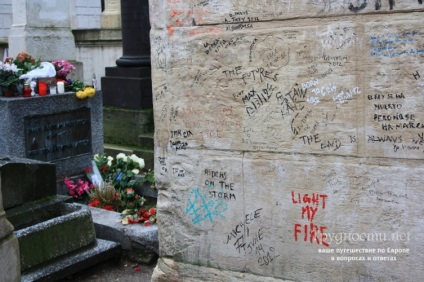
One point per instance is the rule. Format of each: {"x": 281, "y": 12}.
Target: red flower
{"x": 109, "y": 208}
{"x": 152, "y": 211}
{"x": 94, "y": 203}
{"x": 141, "y": 211}
{"x": 147, "y": 223}
{"x": 137, "y": 268}
{"x": 88, "y": 169}
{"x": 104, "y": 168}
{"x": 132, "y": 221}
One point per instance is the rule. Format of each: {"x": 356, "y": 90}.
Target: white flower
{"x": 134, "y": 158}
{"x": 121, "y": 156}
{"x": 96, "y": 157}
{"x": 135, "y": 171}
{"x": 141, "y": 163}
{"x": 109, "y": 163}
{"x": 10, "y": 67}
{"x": 110, "y": 158}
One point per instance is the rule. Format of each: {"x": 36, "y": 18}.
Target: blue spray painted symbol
{"x": 201, "y": 208}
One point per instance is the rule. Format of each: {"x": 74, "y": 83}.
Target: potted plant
{"x": 9, "y": 78}
{"x": 11, "y": 69}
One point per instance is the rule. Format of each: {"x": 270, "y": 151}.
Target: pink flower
{"x": 63, "y": 67}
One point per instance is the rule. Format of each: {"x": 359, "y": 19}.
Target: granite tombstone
{"x": 56, "y": 128}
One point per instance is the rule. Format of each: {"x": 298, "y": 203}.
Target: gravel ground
{"x": 118, "y": 269}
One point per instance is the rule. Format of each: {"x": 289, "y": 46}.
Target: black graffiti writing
{"x": 356, "y": 9}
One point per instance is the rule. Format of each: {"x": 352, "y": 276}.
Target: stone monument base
{"x": 127, "y": 87}
{"x": 10, "y": 269}
{"x": 59, "y": 129}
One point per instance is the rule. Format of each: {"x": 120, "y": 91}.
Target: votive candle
{"x": 60, "y": 87}
{"x": 42, "y": 88}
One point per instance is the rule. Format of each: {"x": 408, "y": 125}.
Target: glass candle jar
{"x": 27, "y": 90}
{"x": 42, "y": 88}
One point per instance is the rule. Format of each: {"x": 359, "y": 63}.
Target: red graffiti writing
{"x": 310, "y": 205}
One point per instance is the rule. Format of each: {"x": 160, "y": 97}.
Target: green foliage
{"x": 25, "y": 62}
{"x": 76, "y": 85}
{"x": 149, "y": 177}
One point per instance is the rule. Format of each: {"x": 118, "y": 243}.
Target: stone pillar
{"x": 42, "y": 28}
{"x": 135, "y": 33}
{"x": 111, "y": 16}
{"x": 10, "y": 266}
{"x": 128, "y": 85}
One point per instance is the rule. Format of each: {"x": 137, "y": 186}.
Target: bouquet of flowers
{"x": 120, "y": 171}
{"x": 63, "y": 68}
{"x": 25, "y": 62}
{"x": 115, "y": 191}
{"x": 11, "y": 69}
{"x": 78, "y": 189}
{"x": 9, "y": 75}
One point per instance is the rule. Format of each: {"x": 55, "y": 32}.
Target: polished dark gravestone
{"x": 59, "y": 129}
{"x": 129, "y": 84}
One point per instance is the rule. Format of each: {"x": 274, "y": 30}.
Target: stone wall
{"x": 5, "y": 20}
{"x": 289, "y": 139}
{"x": 85, "y": 14}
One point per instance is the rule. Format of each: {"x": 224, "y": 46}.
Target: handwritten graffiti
{"x": 378, "y": 4}
{"x": 309, "y": 210}
{"x": 358, "y": 8}
{"x": 201, "y": 208}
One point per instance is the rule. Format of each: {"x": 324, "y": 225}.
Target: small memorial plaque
{"x": 58, "y": 136}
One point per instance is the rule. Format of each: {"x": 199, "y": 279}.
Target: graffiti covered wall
{"x": 289, "y": 139}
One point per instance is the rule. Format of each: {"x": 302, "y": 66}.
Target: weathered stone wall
{"x": 286, "y": 130}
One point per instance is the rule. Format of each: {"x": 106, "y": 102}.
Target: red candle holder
{"x": 42, "y": 88}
